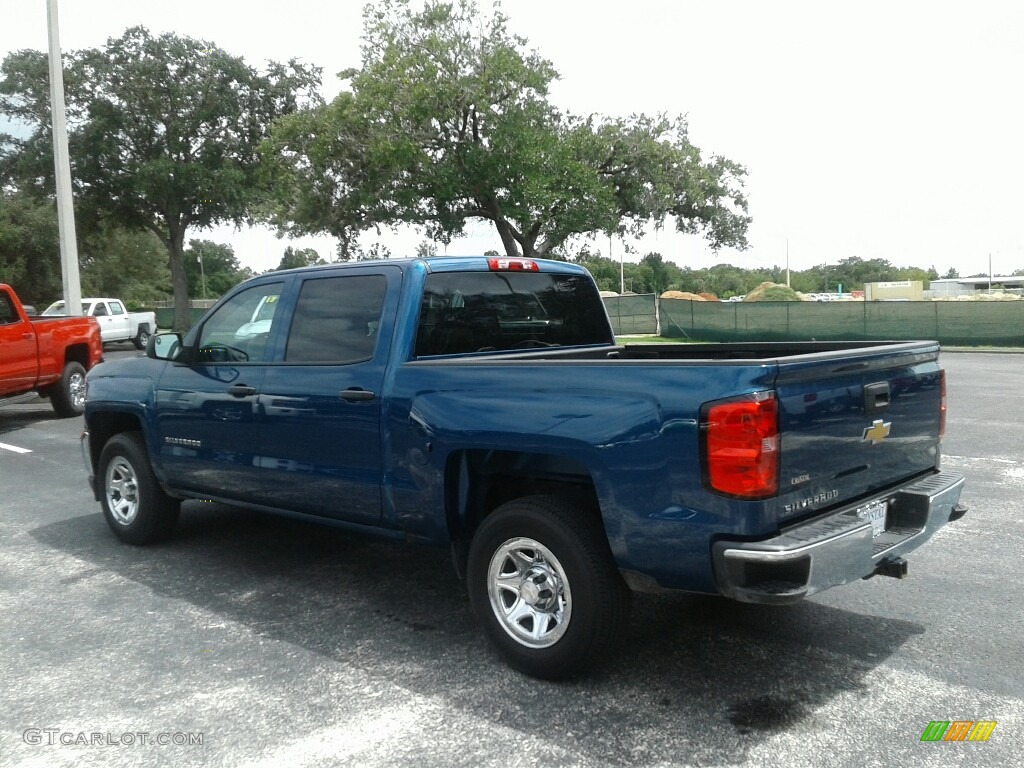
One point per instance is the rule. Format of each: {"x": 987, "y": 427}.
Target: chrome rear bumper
{"x": 838, "y": 548}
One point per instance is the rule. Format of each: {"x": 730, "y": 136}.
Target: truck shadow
{"x": 15, "y": 417}
{"x": 718, "y": 676}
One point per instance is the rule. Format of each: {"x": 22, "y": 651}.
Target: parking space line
{"x": 14, "y": 448}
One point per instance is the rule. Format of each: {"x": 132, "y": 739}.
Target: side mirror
{"x": 163, "y": 346}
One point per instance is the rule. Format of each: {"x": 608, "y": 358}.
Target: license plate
{"x": 875, "y": 514}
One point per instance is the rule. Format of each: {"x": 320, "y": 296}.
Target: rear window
{"x": 7, "y": 313}
{"x": 466, "y": 312}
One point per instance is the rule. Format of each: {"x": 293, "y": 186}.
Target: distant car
{"x": 116, "y": 323}
{"x": 259, "y": 322}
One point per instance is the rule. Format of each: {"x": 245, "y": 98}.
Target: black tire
{"x": 134, "y": 505}
{"x": 558, "y": 552}
{"x": 142, "y": 337}
{"x": 68, "y": 395}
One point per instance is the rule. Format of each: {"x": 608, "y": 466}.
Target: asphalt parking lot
{"x": 276, "y": 643}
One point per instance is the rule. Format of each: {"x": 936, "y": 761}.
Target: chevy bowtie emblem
{"x": 877, "y": 432}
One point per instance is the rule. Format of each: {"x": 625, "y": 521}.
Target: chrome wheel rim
{"x": 76, "y": 386}
{"x": 529, "y": 593}
{"x": 122, "y": 489}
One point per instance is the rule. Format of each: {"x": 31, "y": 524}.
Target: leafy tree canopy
{"x": 655, "y": 275}
{"x": 163, "y": 133}
{"x": 448, "y": 120}
{"x": 29, "y": 255}
{"x": 127, "y": 264}
{"x": 303, "y": 257}
{"x": 212, "y": 268}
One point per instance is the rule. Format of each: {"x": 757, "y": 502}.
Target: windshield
{"x": 57, "y": 308}
{"x": 486, "y": 311}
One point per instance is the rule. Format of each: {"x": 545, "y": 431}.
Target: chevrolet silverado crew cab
{"x": 48, "y": 356}
{"x": 483, "y": 404}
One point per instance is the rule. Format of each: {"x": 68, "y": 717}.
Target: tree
{"x": 130, "y": 265}
{"x": 917, "y": 273}
{"x": 214, "y": 263}
{"x": 659, "y": 273}
{"x": 163, "y": 133}
{"x": 29, "y": 252}
{"x": 951, "y": 274}
{"x": 605, "y": 271}
{"x": 304, "y": 257}
{"x": 448, "y": 121}
{"x": 113, "y": 261}
{"x": 425, "y": 249}
{"x": 358, "y": 253}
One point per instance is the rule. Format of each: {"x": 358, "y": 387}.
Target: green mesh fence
{"x": 951, "y": 323}
{"x": 959, "y": 323}
{"x": 633, "y": 314}
{"x": 165, "y": 316}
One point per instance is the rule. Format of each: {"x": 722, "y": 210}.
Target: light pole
{"x": 62, "y": 171}
{"x": 622, "y": 266}
{"x": 202, "y": 272}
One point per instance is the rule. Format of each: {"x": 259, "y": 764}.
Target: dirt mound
{"x": 682, "y": 295}
{"x": 982, "y": 297}
{"x": 773, "y": 292}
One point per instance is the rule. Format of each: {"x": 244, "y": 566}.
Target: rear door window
{"x": 336, "y": 319}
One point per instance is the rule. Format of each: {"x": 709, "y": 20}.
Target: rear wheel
{"x": 543, "y": 583}
{"x": 141, "y": 338}
{"x": 134, "y": 505}
{"x": 68, "y": 395}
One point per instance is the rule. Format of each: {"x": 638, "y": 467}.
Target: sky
{"x": 872, "y": 129}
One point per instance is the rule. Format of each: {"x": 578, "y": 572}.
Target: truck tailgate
{"x": 855, "y": 422}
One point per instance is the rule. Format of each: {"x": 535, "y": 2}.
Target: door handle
{"x": 241, "y": 390}
{"x": 356, "y": 395}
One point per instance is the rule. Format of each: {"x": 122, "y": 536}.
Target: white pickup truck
{"x": 116, "y": 323}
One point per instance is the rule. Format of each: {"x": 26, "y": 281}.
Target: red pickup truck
{"x": 46, "y": 355}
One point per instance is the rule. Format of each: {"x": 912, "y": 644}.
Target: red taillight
{"x": 512, "y": 265}
{"x": 741, "y": 446}
{"x": 942, "y": 404}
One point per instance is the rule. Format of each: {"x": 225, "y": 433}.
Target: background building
{"x": 897, "y": 290}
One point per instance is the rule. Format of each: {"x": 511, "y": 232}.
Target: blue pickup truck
{"x": 483, "y": 404}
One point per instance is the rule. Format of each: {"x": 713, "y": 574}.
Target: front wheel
{"x": 68, "y": 395}
{"x": 543, "y": 583}
{"x": 134, "y": 505}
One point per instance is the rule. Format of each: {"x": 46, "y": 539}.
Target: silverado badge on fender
{"x": 877, "y": 432}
